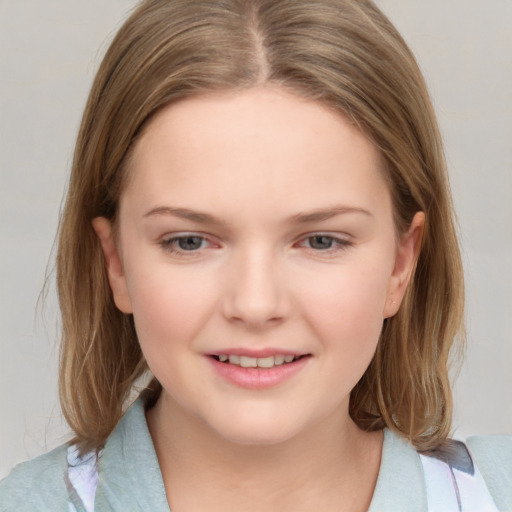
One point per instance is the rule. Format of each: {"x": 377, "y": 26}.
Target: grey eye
{"x": 190, "y": 243}
{"x": 321, "y": 242}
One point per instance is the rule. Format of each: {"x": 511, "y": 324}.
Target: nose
{"x": 255, "y": 292}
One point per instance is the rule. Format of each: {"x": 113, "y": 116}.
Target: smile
{"x": 255, "y": 370}
{"x": 257, "y": 362}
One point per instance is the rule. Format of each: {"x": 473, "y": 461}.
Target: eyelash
{"x": 169, "y": 244}
{"x": 339, "y": 243}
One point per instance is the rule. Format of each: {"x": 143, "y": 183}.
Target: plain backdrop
{"x": 49, "y": 52}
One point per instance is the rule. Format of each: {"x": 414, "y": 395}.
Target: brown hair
{"x": 344, "y": 53}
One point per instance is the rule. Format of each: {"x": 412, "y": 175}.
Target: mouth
{"x": 258, "y": 362}
{"x": 257, "y": 369}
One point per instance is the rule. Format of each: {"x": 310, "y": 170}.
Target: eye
{"x": 189, "y": 243}
{"x": 323, "y": 243}
{"x": 181, "y": 245}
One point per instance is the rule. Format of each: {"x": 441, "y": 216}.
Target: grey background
{"x": 49, "y": 52}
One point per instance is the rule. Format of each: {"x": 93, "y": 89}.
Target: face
{"x": 256, "y": 250}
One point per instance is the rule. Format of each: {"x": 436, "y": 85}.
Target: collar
{"x": 129, "y": 473}
{"x": 130, "y": 477}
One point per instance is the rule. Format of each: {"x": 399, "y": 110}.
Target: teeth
{"x": 278, "y": 360}
{"x": 253, "y": 362}
{"x": 266, "y": 362}
{"x": 248, "y": 362}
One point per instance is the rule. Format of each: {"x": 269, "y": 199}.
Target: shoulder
{"x": 476, "y": 475}
{"x": 39, "y": 484}
{"x": 493, "y": 456}
{"x": 480, "y": 470}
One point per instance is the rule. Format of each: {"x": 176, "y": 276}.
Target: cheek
{"x": 169, "y": 307}
{"x": 346, "y": 308}
{"x": 169, "y": 310}
{"x": 343, "y": 313}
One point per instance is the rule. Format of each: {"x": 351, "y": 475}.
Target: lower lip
{"x": 258, "y": 378}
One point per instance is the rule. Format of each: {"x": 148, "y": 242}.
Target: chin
{"x": 257, "y": 431}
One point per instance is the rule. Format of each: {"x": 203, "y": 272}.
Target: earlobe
{"x": 405, "y": 264}
{"x": 104, "y": 231}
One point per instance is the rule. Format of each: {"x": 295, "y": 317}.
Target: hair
{"x": 343, "y": 53}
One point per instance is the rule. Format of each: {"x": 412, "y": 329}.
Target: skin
{"x": 260, "y": 162}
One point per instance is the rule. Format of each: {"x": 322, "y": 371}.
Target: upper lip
{"x": 257, "y": 353}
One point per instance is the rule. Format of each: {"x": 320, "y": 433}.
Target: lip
{"x": 257, "y": 378}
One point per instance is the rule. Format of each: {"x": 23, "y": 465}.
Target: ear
{"x": 104, "y": 230}
{"x": 405, "y": 262}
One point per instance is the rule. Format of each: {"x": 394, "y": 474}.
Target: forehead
{"x": 263, "y": 146}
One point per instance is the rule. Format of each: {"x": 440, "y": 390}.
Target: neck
{"x": 331, "y": 466}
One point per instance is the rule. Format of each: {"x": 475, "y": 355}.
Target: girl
{"x": 259, "y": 232}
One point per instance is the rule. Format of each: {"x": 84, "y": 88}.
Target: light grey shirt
{"x": 128, "y": 477}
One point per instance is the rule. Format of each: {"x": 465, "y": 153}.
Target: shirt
{"x": 128, "y": 476}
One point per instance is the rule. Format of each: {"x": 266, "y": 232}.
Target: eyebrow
{"x": 318, "y": 215}
{"x": 327, "y": 213}
{"x": 185, "y": 213}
